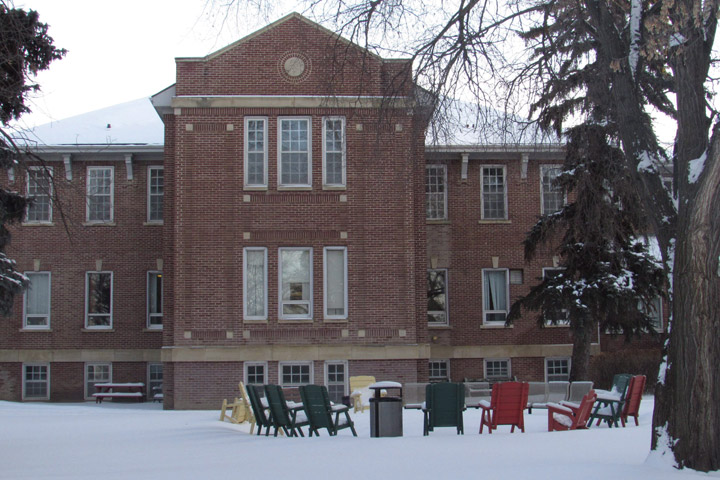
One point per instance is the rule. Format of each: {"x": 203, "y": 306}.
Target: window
{"x": 39, "y": 192}
{"x": 439, "y": 371}
{"x": 336, "y": 380}
{"x": 96, "y": 373}
{"x": 436, "y": 192}
{"x": 100, "y": 194}
{"x": 495, "y": 295}
{"x": 36, "y": 382}
{"x": 294, "y": 149}
{"x": 516, "y": 276}
{"x": 334, "y": 151}
{"x": 655, "y": 314}
{"x": 295, "y": 374}
{"x": 335, "y": 288}
{"x": 494, "y": 193}
{"x": 255, "y": 373}
{"x": 154, "y": 300}
{"x": 156, "y": 187}
{"x": 553, "y": 196}
{"x": 296, "y": 283}
{"x": 564, "y": 314}
{"x": 98, "y": 299}
{"x": 437, "y": 297}
{"x": 497, "y": 369}
{"x": 255, "y": 283}
{"x": 155, "y": 379}
{"x": 256, "y": 152}
{"x": 37, "y": 301}
{"x": 557, "y": 369}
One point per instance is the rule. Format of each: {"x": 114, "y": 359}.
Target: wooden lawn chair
{"x": 567, "y": 416}
{"x": 283, "y": 417}
{"x": 610, "y": 404}
{"x": 258, "y": 409}
{"x": 320, "y": 411}
{"x": 632, "y": 399}
{"x": 506, "y": 406}
{"x": 578, "y": 390}
{"x": 240, "y": 410}
{"x": 444, "y": 406}
{"x": 360, "y": 393}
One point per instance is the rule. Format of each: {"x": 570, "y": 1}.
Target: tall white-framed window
{"x": 294, "y": 374}
{"x": 494, "y": 192}
{"x": 335, "y": 286}
{"x": 100, "y": 194}
{"x": 655, "y": 313}
{"x": 564, "y": 320}
{"x": 255, "y": 300}
{"x": 557, "y": 369}
{"x": 96, "y": 373}
{"x": 154, "y": 380}
{"x": 294, "y": 152}
{"x": 495, "y": 295}
{"x": 256, "y": 152}
{"x": 334, "y": 152}
{"x": 154, "y": 300}
{"x": 437, "y": 305}
{"x": 296, "y": 284}
{"x": 98, "y": 299}
{"x": 439, "y": 370}
{"x": 39, "y": 192}
{"x": 436, "y": 192}
{"x": 36, "y": 381}
{"x": 552, "y": 195}
{"x": 255, "y": 373}
{"x": 155, "y": 194}
{"x": 497, "y": 368}
{"x": 36, "y": 312}
{"x": 336, "y": 380}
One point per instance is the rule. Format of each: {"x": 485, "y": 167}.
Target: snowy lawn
{"x": 141, "y": 441}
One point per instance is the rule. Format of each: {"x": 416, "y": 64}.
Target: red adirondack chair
{"x": 632, "y": 399}
{"x": 568, "y": 417}
{"x": 506, "y": 406}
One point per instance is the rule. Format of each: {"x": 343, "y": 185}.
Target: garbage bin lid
{"x": 385, "y": 384}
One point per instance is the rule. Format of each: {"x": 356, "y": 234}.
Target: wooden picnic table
{"x": 119, "y": 390}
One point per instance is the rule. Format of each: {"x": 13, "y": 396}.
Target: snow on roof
{"x": 130, "y": 123}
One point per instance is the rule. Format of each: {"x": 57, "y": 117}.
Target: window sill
{"x": 444, "y": 326}
{"x": 295, "y": 320}
{"x": 98, "y": 330}
{"x": 37, "y": 224}
{"x": 495, "y": 326}
{"x": 439, "y": 221}
{"x": 258, "y": 188}
{"x": 99, "y": 224}
{"x": 152, "y": 329}
{"x": 48, "y": 329}
{"x": 290, "y": 188}
{"x": 335, "y": 320}
{"x": 495, "y": 222}
{"x": 338, "y": 188}
{"x": 255, "y": 320}
{"x": 153, "y": 224}
{"x": 549, "y": 325}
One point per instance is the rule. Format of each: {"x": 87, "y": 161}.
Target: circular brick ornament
{"x": 294, "y": 67}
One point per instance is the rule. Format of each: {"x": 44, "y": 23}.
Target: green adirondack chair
{"x": 261, "y": 418}
{"x": 609, "y": 405}
{"x": 283, "y": 417}
{"x": 444, "y": 406}
{"x": 319, "y": 411}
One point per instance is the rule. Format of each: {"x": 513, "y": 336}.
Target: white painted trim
{"x": 88, "y": 395}
{"x": 281, "y": 302}
{"x": 147, "y": 299}
{"x": 280, "y": 122}
{"x": 41, "y": 364}
{"x": 507, "y": 296}
{"x": 148, "y": 196}
{"x": 49, "y": 193}
{"x": 482, "y": 192}
{"x": 87, "y": 286}
{"x": 255, "y": 364}
{"x": 112, "y": 195}
{"x": 49, "y": 303}
{"x": 265, "y": 152}
{"x": 325, "y": 284}
{"x": 343, "y": 152}
{"x": 265, "y": 283}
{"x": 289, "y": 364}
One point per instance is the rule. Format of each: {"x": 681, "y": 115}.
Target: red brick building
{"x": 292, "y": 227}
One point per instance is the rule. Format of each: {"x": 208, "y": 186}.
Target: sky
{"x": 124, "y": 50}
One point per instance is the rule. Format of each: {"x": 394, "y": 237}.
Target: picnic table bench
{"x": 119, "y": 390}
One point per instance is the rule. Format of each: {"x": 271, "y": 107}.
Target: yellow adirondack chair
{"x": 240, "y": 410}
{"x": 360, "y": 393}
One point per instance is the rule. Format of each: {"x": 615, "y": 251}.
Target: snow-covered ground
{"x": 141, "y": 441}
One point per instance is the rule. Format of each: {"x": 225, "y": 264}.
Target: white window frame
{"x": 150, "y": 316}
{"x": 111, "y": 195}
{"x": 246, "y": 374}
{"x": 429, "y": 194}
{"x": 483, "y": 193}
{"x": 152, "y": 382}
{"x": 246, "y": 152}
{"x": 47, "y": 171}
{"x": 329, "y": 316}
{"x": 87, "y": 301}
{"x": 446, "y": 312}
{"x": 154, "y": 195}
{"x": 25, "y": 396}
{"x": 439, "y": 361}
{"x": 660, "y": 326}
{"x": 88, "y": 394}
{"x": 281, "y": 301}
{"x": 491, "y": 377}
{"x": 346, "y": 384}
{"x": 282, "y": 365}
{"x": 543, "y": 169}
{"x": 559, "y": 323}
{"x": 343, "y": 152}
{"x": 556, "y": 359}
{"x": 507, "y": 297}
{"x": 246, "y": 316}
{"x": 280, "y": 122}
{"x": 26, "y": 315}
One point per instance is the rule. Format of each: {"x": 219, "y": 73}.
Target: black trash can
{"x": 386, "y": 413}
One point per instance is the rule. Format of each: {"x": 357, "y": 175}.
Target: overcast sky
{"x": 123, "y": 50}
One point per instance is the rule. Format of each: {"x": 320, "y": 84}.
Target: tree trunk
{"x": 582, "y": 340}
